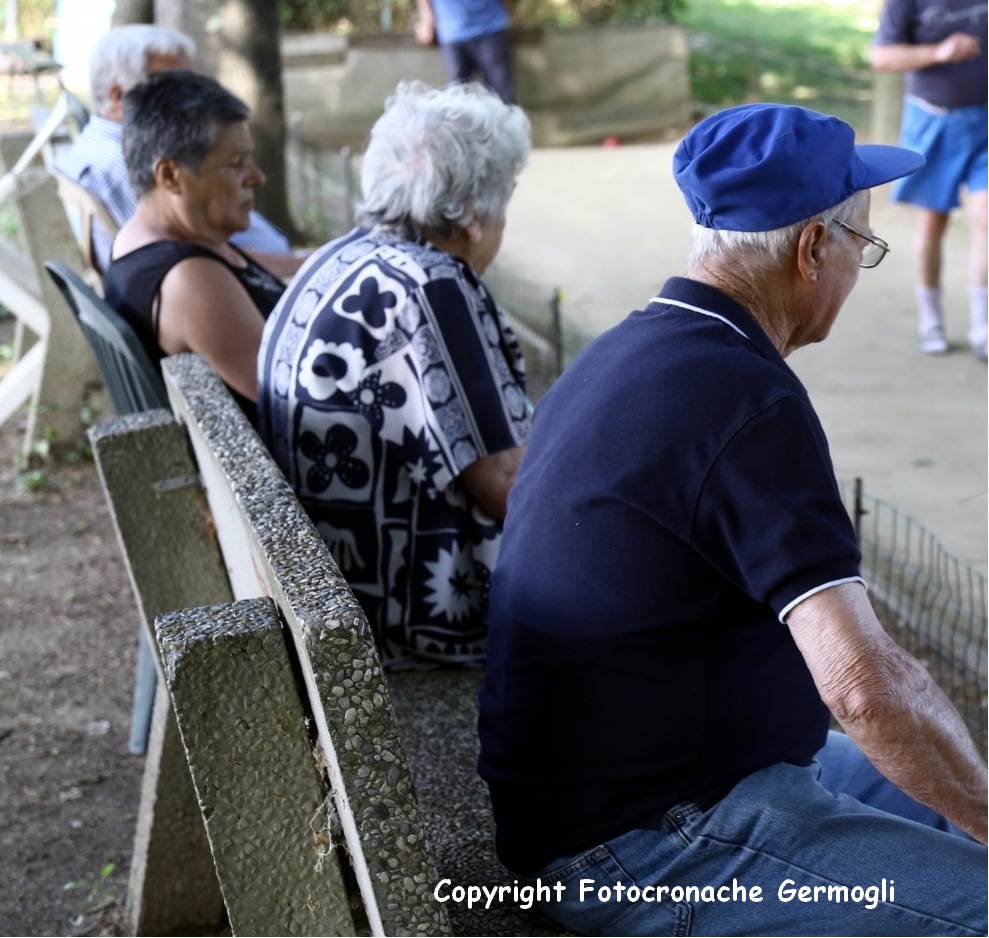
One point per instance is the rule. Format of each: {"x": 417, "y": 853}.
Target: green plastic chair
{"x": 134, "y": 384}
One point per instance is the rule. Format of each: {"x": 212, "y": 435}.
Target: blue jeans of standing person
{"x": 488, "y": 56}
{"x": 827, "y": 849}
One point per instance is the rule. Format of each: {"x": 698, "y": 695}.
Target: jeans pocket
{"x": 593, "y": 894}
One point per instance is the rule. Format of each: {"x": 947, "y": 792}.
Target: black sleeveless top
{"x": 132, "y": 286}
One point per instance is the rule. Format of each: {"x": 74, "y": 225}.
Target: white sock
{"x": 978, "y": 314}
{"x": 929, "y": 315}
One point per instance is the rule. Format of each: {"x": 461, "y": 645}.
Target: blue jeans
{"x": 488, "y": 56}
{"x": 789, "y": 851}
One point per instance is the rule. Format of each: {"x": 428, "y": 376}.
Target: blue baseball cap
{"x": 757, "y": 167}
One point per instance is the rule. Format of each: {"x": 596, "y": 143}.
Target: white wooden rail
{"x": 52, "y": 364}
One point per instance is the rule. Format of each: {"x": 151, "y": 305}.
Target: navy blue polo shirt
{"x": 676, "y": 499}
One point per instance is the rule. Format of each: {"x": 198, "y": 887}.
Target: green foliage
{"x": 9, "y": 226}
{"x": 793, "y": 51}
{"x": 35, "y": 18}
{"x": 98, "y": 895}
{"x": 597, "y": 12}
{"x": 28, "y": 475}
{"x": 346, "y": 16}
{"x": 32, "y": 472}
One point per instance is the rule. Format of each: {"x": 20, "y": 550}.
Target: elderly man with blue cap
{"x": 678, "y": 612}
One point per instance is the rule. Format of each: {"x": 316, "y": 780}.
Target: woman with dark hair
{"x": 174, "y": 275}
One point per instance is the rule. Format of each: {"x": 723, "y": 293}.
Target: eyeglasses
{"x": 873, "y": 252}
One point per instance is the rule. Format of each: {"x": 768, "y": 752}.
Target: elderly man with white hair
{"x": 678, "y": 612}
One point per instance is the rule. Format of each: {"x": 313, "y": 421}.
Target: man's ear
{"x": 810, "y": 250}
{"x": 474, "y": 233}
{"x": 167, "y": 174}
{"x": 115, "y": 103}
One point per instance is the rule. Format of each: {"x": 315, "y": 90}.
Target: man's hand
{"x": 425, "y": 33}
{"x": 906, "y": 57}
{"x": 426, "y": 24}
{"x": 958, "y": 47}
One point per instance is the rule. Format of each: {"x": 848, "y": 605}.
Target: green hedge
{"x": 399, "y": 15}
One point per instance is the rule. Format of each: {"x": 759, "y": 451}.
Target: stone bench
{"x": 335, "y": 798}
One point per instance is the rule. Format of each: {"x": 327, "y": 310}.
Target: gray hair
{"x": 175, "y": 115}
{"x": 441, "y": 159}
{"x": 756, "y": 252}
{"x": 120, "y": 57}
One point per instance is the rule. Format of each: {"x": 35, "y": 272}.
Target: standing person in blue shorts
{"x": 474, "y": 39}
{"x": 678, "y": 608}
{"x": 941, "y": 46}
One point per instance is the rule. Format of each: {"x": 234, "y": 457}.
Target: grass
{"x": 791, "y": 51}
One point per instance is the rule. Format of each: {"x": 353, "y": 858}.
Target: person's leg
{"x": 928, "y": 235}
{"x": 458, "y": 60}
{"x": 978, "y": 324}
{"x": 780, "y": 855}
{"x": 934, "y": 191}
{"x": 494, "y": 59}
{"x": 976, "y": 181}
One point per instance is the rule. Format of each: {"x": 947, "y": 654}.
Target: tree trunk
{"x": 238, "y": 43}
{"x": 133, "y": 11}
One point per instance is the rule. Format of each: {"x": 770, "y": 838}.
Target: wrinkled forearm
{"x": 890, "y": 706}
{"x": 915, "y": 737}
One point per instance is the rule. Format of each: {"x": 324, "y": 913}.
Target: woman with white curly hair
{"x": 391, "y": 391}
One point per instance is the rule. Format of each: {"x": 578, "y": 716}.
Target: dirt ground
{"x": 69, "y": 788}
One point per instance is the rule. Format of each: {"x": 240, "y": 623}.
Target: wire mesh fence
{"x": 322, "y": 188}
{"x": 549, "y": 338}
{"x": 936, "y": 603}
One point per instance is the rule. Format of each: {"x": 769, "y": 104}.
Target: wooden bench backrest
{"x": 84, "y": 211}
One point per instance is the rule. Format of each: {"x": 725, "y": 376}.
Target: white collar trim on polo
{"x": 698, "y": 309}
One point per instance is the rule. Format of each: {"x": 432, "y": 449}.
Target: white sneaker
{"x": 931, "y": 341}
{"x": 978, "y": 346}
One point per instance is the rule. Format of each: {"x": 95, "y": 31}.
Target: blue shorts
{"x": 956, "y": 146}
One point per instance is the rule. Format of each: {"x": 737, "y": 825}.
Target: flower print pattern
{"x": 329, "y": 367}
{"x": 410, "y": 317}
{"x": 426, "y": 346}
{"x": 304, "y": 307}
{"x": 422, "y": 461}
{"x": 371, "y": 302}
{"x": 454, "y": 590}
{"x": 438, "y": 386}
{"x": 371, "y": 297}
{"x": 464, "y": 452}
{"x": 453, "y": 420}
{"x": 381, "y": 385}
{"x": 371, "y": 396}
{"x": 333, "y": 457}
